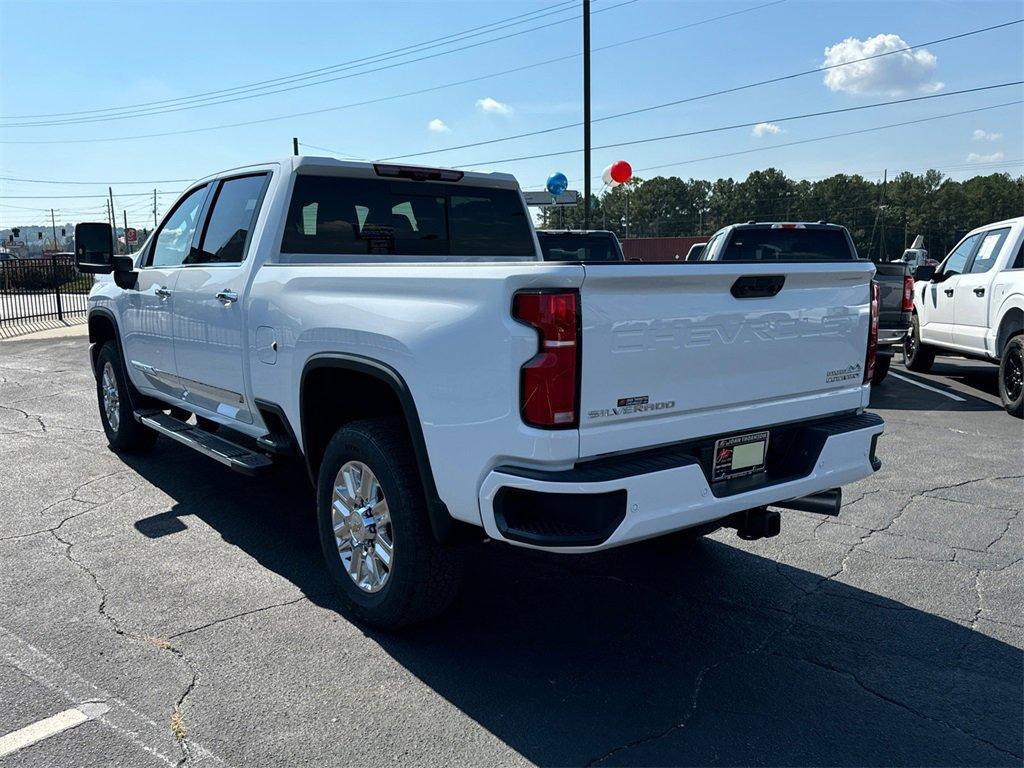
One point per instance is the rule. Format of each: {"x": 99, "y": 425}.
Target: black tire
{"x": 917, "y": 356}
{"x": 126, "y": 435}
{"x": 425, "y": 577}
{"x": 1011, "y": 371}
{"x": 882, "y": 363}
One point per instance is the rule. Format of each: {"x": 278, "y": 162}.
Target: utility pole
{"x": 586, "y": 114}
{"x": 295, "y": 146}
{"x": 53, "y": 223}
{"x": 881, "y": 225}
{"x": 154, "y": 209}
{"x": 113, "y": 216}
{"x": 127, "y": 245}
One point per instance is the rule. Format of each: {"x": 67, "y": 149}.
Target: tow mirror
{"x": 94, "y": 248}
{"x": 924, "y": 273}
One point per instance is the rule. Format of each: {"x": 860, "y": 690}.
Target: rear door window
{"x": 233, "y": 214}
{"x": 332, "y": 216}
{"x": 987, "y": 253}
{"x": 765, "y": 244}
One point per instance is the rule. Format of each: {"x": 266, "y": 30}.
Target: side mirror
{"x": 94, "y": 248}
{"x": 924, "y": 273}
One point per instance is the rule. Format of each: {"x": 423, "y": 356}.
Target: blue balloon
{"x": 557, "y": 183}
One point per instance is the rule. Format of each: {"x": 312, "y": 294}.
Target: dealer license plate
{"x": 739, "y": 456}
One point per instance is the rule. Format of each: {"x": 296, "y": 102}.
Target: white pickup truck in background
{"x": 972, "y": 304}
{"x": 397, "y": 329}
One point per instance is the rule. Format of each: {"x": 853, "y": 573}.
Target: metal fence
{"x": 46, "y": 288}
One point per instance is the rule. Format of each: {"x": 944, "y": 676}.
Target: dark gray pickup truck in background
{"x": 579, "y": 245}
{"x": 896, "y": 290}
{"x": 806, "y": 241}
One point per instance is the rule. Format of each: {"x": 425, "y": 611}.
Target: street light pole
{"x": 586, "y": 114}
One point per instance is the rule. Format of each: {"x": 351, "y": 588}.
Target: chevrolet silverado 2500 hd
{"x": 973, "y": 305}
{"x": 397, "y": 329}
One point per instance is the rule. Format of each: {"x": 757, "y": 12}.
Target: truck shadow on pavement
{"x": 982, "y": 378}
{"x": 665, "y": 653}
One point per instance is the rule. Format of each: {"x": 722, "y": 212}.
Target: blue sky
{"x": 71, "y": 57}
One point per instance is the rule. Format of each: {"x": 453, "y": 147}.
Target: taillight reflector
{"x": 549, "y": 383}
{"x": 908, "y": 294}
{"x": 869, "y": 363}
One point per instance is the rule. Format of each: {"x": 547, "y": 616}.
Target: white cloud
{"x": 974, "y": 157}
{"x": 892, "y": 75}
{"x": 437, "y": 125}
{"x": 487, "y": 104}
{"x": 764, "y": 129}
{"x": 980, "y": 135}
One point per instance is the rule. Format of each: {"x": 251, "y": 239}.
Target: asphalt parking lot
{"x": 185, "y": 611}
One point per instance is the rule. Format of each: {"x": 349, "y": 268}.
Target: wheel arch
{"x": 102, "y": 328}
{"x": 1011, "y": 323}
{"x": 380, "y": 390}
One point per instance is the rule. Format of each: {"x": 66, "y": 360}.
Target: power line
{"x": 307, "y": 73}
{"x": 285, "y": 89}
{"x": 829, "y": 136}
{"x": 105, "y": 183}
{"x": 749, "y": 124}
{"x": 406, "y": 94}
{"x": 710, "y": 94}
{"x": 69, "y": 197}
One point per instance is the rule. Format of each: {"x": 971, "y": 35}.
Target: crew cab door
{"x": 974, "y": 291}
{"x": 936, "y": 319}
{"x": 209, "y": 317}
{"x": 146, "y": 310}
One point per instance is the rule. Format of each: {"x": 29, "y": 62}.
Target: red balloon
{"x": 621, "y": 171}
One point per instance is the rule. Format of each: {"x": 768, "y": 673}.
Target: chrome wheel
{"x": 362, "y": 527}
{"x": 111, "y": 398}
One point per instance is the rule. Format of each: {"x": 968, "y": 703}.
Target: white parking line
{"x": 51, "y": 726}
{"x": 129, "y": 723}
{"x": 930, "y": 389}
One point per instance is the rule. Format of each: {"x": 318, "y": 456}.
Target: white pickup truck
{"x": 972, "y": 304}
{"x": 397, "y": 329}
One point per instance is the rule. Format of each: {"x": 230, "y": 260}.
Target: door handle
{"x": 163, "y": 292}
{"x": 979, "y": 291}
{"x": 227, "y": 296}
{"x": 948, "y": 291}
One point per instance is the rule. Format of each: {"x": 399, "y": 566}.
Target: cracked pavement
{"x": 193, "y": 603}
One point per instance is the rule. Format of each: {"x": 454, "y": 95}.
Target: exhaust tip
{"x": 824, "y": 503}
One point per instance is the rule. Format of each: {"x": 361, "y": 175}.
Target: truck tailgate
{"x": 890, "y": 276}
{"x": 669, "y": 353}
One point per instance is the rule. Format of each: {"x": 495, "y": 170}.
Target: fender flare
{"x": 443, "y": 525}
{"x": 1004, "y": 326}
{"x": 135, "y": 398}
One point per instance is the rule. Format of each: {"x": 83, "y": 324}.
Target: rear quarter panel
{"x": 448, "y": 332}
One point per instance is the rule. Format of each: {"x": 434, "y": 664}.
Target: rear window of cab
{"x": 787, "y": 244}
{"x": 338, "y": 219}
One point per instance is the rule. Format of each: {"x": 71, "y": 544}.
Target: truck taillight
{"x": 549, "y": 382}
{"x": 869, "y": 363}
{"x": 908, "y": 294}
